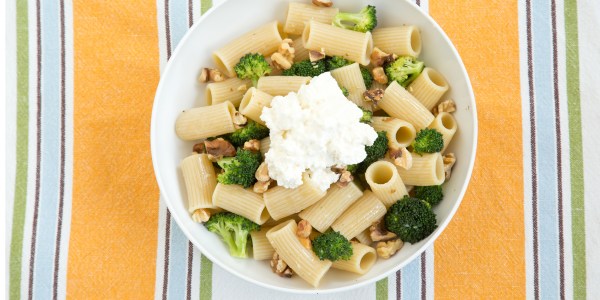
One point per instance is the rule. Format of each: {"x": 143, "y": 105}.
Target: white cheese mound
{"x": 313, "y": 130}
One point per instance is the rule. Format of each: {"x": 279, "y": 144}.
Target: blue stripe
{"x": 50, "y": 146}
{"x": 546, "y": 150}
{"x": 411, "y": 280}
{"x": 178, "y": 22}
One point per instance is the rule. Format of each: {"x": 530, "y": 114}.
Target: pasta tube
{"x": 399, "y": 132}
{"x": 359, "y": 216}
{"x": 446, "y": 124}
{"x": 323, "y": 213}
{"x": 429, "y": 87}
{"x": 352, "y": 45}
{"x": 236, "y": 199}
{"x": 362, "y": 259}
{"x": 382, "y": 176}
{"x": 200, "y": 181}
{"x": 205, "y": 121}
{"x": 427, "y": 169}
{"x": 282, "y": 202}
{"x": 399, "y": 103}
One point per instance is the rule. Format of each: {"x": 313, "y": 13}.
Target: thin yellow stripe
{"x": 113, "y": 240}
{"x": 481, "y": 253}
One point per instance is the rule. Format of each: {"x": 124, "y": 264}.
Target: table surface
{"x": 84, "y": 219}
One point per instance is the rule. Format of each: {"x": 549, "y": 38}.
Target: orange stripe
{"x": 112, "y": 253}
{"x": 481, "y": 253}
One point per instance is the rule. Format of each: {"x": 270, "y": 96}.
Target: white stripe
{"x": 429, "y": 271}
{"x": 527, "y": 184}
{"x": 589, "y": 62}
{"x": 68, "y": 184}
{"x": 160, "y": 249}
{"x": 10, "y": 130}
{"x": 566, "y": 150}
{"x": 196, "y": 12}
{"x": 31, "y": 164}
{"x": 195, "y": 281}
{"x": 162, "y": 34}
{"x": 391, "y": 288}
{"x": 223, "y": 282}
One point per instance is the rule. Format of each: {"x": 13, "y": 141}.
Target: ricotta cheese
{"x": 313, "y": 130}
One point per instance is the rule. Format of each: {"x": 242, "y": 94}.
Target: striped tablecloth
{"x": 84, "y": 217}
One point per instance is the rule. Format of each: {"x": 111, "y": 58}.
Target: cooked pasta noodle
{"x": 253, "y": 103}
{"x": 359, "y": 216}
{"x": 399, "y": 132}
{"x": 244, "y": 202}
{"x": 446, "y": 124}
{"x": 362, "y": 259}
{"x": 281, "y": 85}
{"x": 399, "y": 103}
{"x": 402, "y": 40}
{"x": 351, "y": 78}
{"x": 232, "y": 90}
{"x": 429, "y": 87}
{"x": 323, "y": 213}
{"x": 200, "y": 181}
{"x": 427, "y": 169}
{"x": 385, "y": 182}
{"x": 352, "y": 45}
{"x": 300, "y": 13}
{"x": 282, "y": 202}
{"x": 261, "y": 247}
{"x": 205, "y": 121}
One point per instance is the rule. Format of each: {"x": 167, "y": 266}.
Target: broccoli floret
{"x": 239, "y": 169}
{"x": 367, "y": 115}
{"x": 404, "y": 70}
{"x": 411, "y": 219}
{"x": 306, "y": 68}
{"x": 374, "y": 153}
{"x": 363, "y": 21}
{"x": 367, "y": 77}
{"x": 344, "y": 91}
{"x": 251, "y": 131}
{"x": 233, "y": 230}
{"x": 432, "y": 194}
{"x": 332, "y": 246}
{"x": 428, "y": 140}
{"x": 335, "y": 62}
{"x": 252, "y": 66}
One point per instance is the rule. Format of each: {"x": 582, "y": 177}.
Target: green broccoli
{"x": 344, "y": 91}
{"x": 252, "y": 66}
{"x": 374, "y": 153}
{"x": 363, "y": 21}
{"x": 239, "y": 169}
{"x": 367, "y": 77}
{"x": 411, "y": 219}
{"x": 367, "y": 115}
{"x": 335, "y": 62}
{"x": 332, "y": 246}
{"x": 404, "y": 70}
{"x": 428, "y": 140}
{"x": 234, "y": 230}
{"x": 251, "y": 131}
{"x": 433, "y": 194}
{"x": 306, "y": 68}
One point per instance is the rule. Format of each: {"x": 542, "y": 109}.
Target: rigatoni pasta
{"x": 360, "y": 215}
{"x": 399, "y": 132}
{"x": 300, "y": 53}
{"x": 261, "y": 247}
{"x": 282, "y": 202}
{"x": 427, "y": 169}
{"x": 399, "y": 103}
{"x": 253, "y": 102}
{"x": 323, "y": 213}
{"x": 303, "y": 261}
{"x": 205, "y": 121}
{"x": 243, "y": 202}
{"x": 232, "y": 90}
{"x": 300, "y": 13}
{"x": 200, "y": 181}
{"x": 352, "y": 45}
{"x": 428, "y": 87}
{"x": 402, "y": 40}
{"x": 363, "y": 258}
{"x": 351, "y": 78}
{"x": 263, "y": 40}
{"x": 281, "y": 85}
{"x": 385, "y": 182}
{"x": 446, "y": 124}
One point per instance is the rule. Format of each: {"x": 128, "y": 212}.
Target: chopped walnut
{"x": 279, "y": 266}
{"x": 201, "y": 215}
{"x": 345, "y": 179}
{"x": 402, "y": 157}
{"x": 316, "y": 55}
{"x": 261, "y": 186}
{"x": 389, "y": 248}
{"x": 378, "y": 233}
{"x": 284, "y": 57}
{"x": 322, "y": 3}
{"x": 219, "y": 148}
{"x": 306, "y": 243}
{"x": 380, "y": 58}
{"x": 446, "y": 106}
{"x": 242, "y": 88}
{"x": 262, "y": 173}
{"x": 379, "y": 75}
{"x": 199, "y": 148}
{"x": 239, "y": 120}
{"x": 203, "y": 75}
{"x": 207, "y": 75}
{"x": 374, "y": 95}
{"x": 449, "y": 160}
{"x": 252, "y": 145}
{"x": 304, "y": 229}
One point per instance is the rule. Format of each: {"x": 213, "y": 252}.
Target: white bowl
{"x": 178, "y": 90}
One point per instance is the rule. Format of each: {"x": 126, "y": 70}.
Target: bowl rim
{"x": 309, "y": 291}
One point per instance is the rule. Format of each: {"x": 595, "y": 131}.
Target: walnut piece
{"x": 284, "y": 57}
{"x": 239, "y": 120}
{"x": 374, "y": 95}
{"x": 252, "y": 145}
{"x": 242, "y": 88}
{"x": 345, "y": 179}
{"x": 201, "y": 215}
{"x": 380, "y": 58}
{"x": 207, "y": 75}
{"x": 219, "y": 148}
{"x": 262, "y": 173}
{"x": 449, "y": 160}
{"x": 279, "y": 266}
{"x": 379, "y": 75}
{"x": 203, "y": 75}
{"x": 447, "y": 106}
{"x": 378, "y": 233}
{"x": 316, "y": 55}
{"x": 402, "y": 157}
{"x": 261, "y": 186}
{"x": 304, "y": 229}
{"x": 322, "y": 3}
{"x": 199, "y": 148}
{"x": 306, "y": 243}
{"x": 389, "y": 248}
